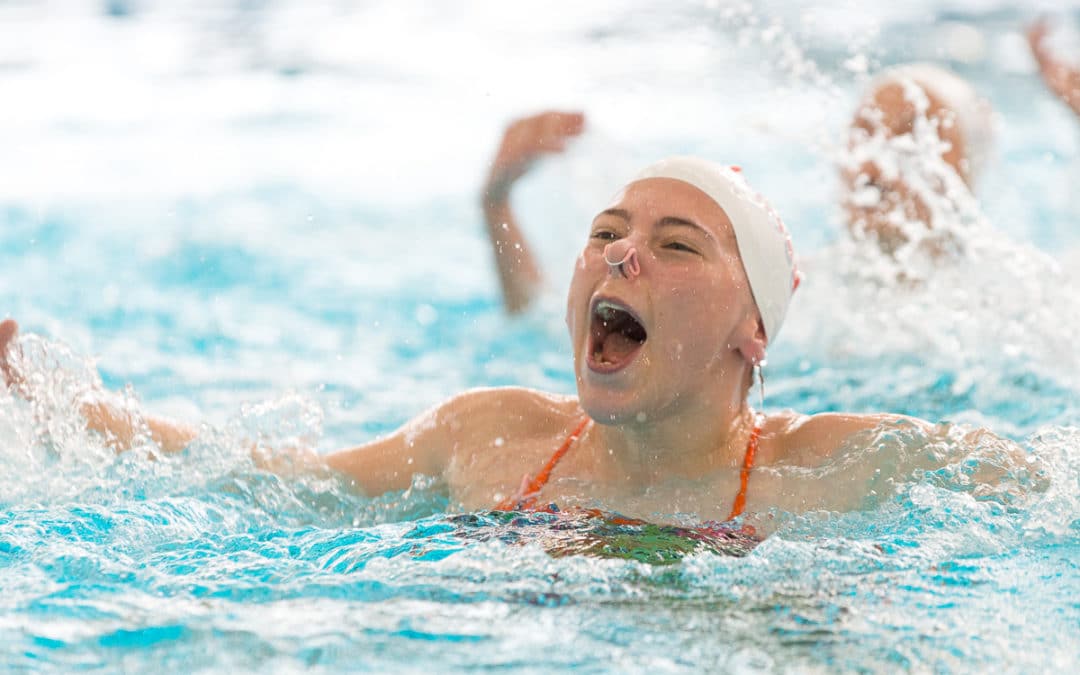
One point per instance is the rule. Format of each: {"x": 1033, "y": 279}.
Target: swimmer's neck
{"x": 688, "y": 444}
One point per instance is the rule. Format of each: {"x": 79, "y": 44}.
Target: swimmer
{"x": 1062, "y": 79}
{"x": 680, "y": 290}
{"x": 916, "y": 145}
{"x": 525, "y": 141}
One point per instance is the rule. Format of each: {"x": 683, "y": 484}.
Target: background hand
{"x": 9, "y": 330}
{"x": 1059, "y": 77}
{"x": 526, "y": 140}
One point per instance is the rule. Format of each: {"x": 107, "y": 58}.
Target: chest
{"x": 481, "y": 478}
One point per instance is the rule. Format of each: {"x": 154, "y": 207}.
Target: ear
{"x": 752, "y": 345}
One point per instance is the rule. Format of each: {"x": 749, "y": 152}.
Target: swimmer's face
{"x": 659, "y": 333}
{"x": 875, "y": 197}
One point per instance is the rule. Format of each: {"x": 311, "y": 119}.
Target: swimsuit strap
{"x": 744, "y": 475}
{"x": 525, "y": 499}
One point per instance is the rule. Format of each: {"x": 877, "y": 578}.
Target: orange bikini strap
{"x": 744, "y": 475}
{"x": 526, "y": 498}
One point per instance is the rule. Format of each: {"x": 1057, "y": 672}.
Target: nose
{"x": 622, "y": 258}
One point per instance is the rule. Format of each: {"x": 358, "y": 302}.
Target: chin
{"x": 612, "y": 415}
{"x": 611, "y": 406}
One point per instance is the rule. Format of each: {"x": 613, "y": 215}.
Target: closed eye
{"x": 679, "y": 246}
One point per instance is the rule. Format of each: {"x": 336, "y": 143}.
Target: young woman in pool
{"x": 680, "y": 289}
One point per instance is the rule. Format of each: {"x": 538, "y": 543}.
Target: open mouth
{"x": 615, "y": 336}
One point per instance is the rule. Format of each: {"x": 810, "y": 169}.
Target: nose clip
{"x": 628, "y": 264}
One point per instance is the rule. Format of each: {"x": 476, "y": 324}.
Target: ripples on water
{"x": 236, "y": 288}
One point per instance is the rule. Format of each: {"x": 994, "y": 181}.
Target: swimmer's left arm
{"x": 819, "y": 439}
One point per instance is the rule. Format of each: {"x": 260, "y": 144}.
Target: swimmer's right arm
{"x": 460, "y": 427}
{"x": 525, "y": 141}
{"x": 421, "y": 446}
{"x": 119, "y": 424}
{"x": 1059, "y": 77}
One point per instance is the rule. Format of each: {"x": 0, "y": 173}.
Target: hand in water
{"x": 525, "y": 141}
{"x": 1059, "y": 77}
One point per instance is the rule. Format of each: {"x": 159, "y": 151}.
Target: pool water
{"x": 262, "y": 218}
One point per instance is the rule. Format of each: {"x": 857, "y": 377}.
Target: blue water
{"x": 262, "y": 218}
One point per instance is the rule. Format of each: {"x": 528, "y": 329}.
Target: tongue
{"x": 618, "y": 348}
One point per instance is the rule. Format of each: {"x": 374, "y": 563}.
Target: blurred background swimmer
{"x": 919, "y": 140}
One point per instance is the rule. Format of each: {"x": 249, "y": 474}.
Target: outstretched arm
{"x": 119, "y": 425}
{"x": 525, "y": 141}
{"x": 380, "y": 466}
{"x": 867, "y": 452}
{"x": 1059, "y": 76}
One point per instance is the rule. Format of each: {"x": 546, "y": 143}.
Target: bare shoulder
{"x": 494, "y": 436}
{"x": 807, "y": 440}
{"x": 508, "y": 412}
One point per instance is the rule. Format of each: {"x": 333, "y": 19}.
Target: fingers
{"x": 525, "y": 141}
{"x": 553, "y": 129}
{"x": 1059, "y": 77}
{"x": 1036, "y": 33}
{"x": 564, "y": 123}
{"x": 1036, "y": 36}
{"x": 8, "y": 330}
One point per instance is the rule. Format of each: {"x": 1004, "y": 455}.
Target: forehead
{"x": 653, "y": 199}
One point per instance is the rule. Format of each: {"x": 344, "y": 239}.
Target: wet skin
{"x": 888, "y": 110}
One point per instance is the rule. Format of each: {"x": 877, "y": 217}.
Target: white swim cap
{"x": 764, "y": 244}
{"x": 974, "y": 115}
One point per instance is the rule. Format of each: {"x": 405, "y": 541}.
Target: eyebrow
{"x": 673, "y": 221}
{"x": 666, "y": 221}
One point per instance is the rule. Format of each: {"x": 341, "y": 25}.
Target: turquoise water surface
{"x": 262, "y": 218}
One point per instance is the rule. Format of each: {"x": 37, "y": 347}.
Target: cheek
{"x": 577, "y": 297}
{"x": 696, "y": 319}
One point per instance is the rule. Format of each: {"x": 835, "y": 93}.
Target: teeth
{"x": 605, "y": 310}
